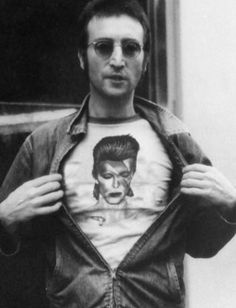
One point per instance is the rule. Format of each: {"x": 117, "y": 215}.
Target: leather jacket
{"x": 151, "y": 274}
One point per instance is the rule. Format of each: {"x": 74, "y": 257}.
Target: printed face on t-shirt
{"x": 114, "y": 179}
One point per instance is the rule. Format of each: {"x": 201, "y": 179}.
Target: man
{"x": 181, "y": 204}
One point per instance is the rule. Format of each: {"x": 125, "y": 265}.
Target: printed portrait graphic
{"x": 114, "y": 165}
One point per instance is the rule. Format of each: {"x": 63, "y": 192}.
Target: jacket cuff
{"x": 9, "y": 244}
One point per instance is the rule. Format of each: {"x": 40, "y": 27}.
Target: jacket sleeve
{"x": 207, "y": 232}
{"x": 19, "y": 173}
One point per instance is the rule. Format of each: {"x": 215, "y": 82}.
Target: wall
{"x": 208, "y": 88}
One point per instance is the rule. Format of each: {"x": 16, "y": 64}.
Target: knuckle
{"x": 34, "y": 201}
{"x": 59, "y": 193}
{"x": 209, "y": 175}
{"x": 56, "y": 185}
{"x": 26, "y": 185}
{"x": 209, "y": 191}
{"x": 31, "y": 192}
{"x": 55, "y": 206}
{"x": 52, "y": 187}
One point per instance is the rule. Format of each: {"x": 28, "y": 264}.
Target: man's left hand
{"x": 209, "y": 183}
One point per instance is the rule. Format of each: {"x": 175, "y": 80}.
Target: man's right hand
{"x": 41, "y": 196}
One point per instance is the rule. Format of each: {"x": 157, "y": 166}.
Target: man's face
{"x": 116, "y": 76}
{"x": 114, "y": 179}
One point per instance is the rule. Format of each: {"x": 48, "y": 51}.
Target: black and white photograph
{"x": 117, "y": 162}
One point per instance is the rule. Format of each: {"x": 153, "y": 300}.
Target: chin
{"x": 118, "y": 94}
{"x": 114, "y": 202}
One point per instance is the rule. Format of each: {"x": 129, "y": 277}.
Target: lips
{"x": 115, "y": 195}
{"x": 116, "y": 77}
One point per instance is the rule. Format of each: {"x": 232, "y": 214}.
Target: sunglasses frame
{"x": 122, "y": 44}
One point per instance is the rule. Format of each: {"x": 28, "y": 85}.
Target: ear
{"x": 96, "y": 191}
{"x": 145, "y": 62}
{"x": 81, "y": 60}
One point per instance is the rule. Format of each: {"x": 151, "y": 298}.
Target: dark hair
{"x": 107, "y": 8}
{"x": 116, "y": 148}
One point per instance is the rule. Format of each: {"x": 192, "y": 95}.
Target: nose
{"x": 116, "y": 182}
{"x": 117, "y": 59}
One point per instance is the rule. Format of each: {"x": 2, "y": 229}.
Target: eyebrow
{"x": 111, "y": 39}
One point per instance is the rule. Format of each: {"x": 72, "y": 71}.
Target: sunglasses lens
{"x": 104, "y": 48}
{"x": 131, "y": 49}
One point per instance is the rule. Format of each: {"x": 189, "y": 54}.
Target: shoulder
{"x": 60, "y": 124}
{"x": 51, "y": 130}
{"x": 175, "y": 132}
{"x": 169, "y": 123}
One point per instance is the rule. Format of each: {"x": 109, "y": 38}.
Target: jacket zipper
{"x": 113, "y": 272}
{"x": 113, "y": 277}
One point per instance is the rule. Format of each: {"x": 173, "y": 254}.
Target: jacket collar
{"x": 164, "y": 122}
{"x": 78, "y": 124}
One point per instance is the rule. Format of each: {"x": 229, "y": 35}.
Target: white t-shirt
{"x": 116, "y": 184}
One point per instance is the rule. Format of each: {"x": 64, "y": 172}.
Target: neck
{"x": 111, "y": 107}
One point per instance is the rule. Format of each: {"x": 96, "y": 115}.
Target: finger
{"x": 192, "y": 191}
{"x": 193, "y": 175}
{"x": 48, "y": 198}
{"x": 49, "y": 209}
{"x": 46, "y": 188}
{"x": 193, "y": 183}
{"x": 44, "y": 179}
{"x": 196, "y": 167}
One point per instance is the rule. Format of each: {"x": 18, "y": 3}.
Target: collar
{"x": 78, "y": 124}
{"x": 162, "y": 120}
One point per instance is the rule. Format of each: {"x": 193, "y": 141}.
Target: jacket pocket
{"x": 174, "y": 281}
{"x": 52, "y": 276}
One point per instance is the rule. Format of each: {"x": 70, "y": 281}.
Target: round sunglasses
{"x": 104, "y": 48}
